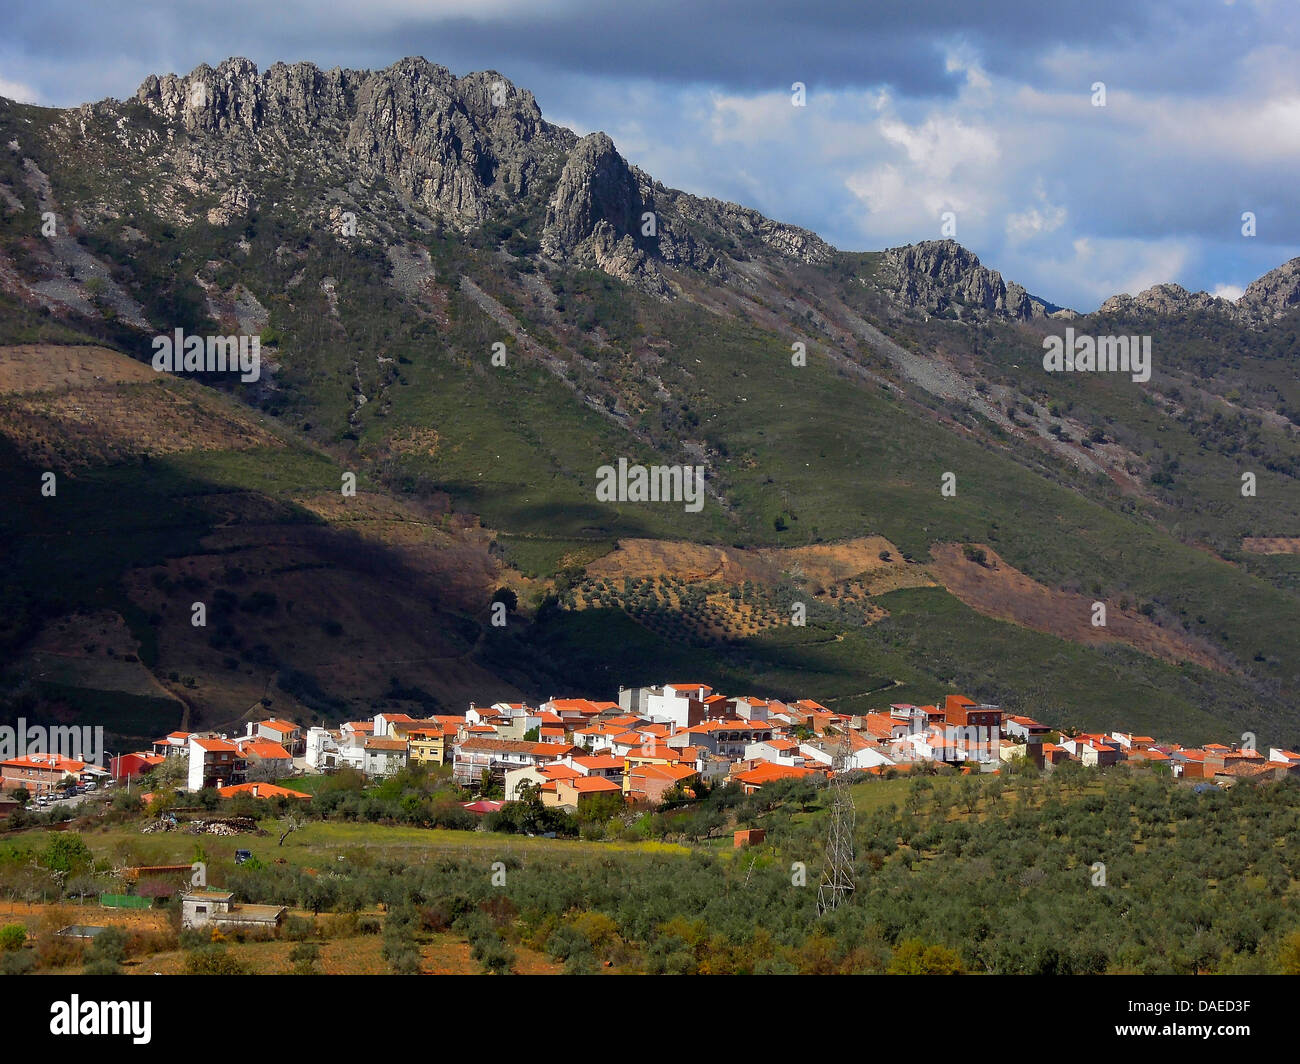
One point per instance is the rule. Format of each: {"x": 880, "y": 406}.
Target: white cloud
{"x": 16, "y": 90}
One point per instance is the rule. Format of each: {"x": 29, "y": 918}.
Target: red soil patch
{"x": 999, "y": 590}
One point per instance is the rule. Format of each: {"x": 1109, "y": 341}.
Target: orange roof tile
{"x": 260, "y": 790}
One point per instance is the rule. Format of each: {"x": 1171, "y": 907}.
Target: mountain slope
{"x": 382, "y": 232}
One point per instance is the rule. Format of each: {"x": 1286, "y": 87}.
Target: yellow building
{"x": 427, "y": 746}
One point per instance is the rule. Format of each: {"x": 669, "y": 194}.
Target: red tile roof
{"x": 260, "y": 790}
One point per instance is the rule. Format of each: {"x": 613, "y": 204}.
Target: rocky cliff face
{"x": 1265, "y": 299}
{"x": 1165, "y": 299}
{"x": 942, "y": 277}
{"x": 460, "y": 150}
{"x": 466, "y": 150}
{"x": 456, "y": 148}
{"x": 607, "y": 213}
{"x": 1274, "y": 294}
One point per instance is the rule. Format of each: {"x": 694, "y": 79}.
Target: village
{"x": 650, "y": 746}
{"x": 653, "y": 749}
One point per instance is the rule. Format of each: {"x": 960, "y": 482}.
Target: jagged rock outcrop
{"x": 942, "y": 277}
{"x": 1274, "y": 294}
{"x": 458, "y": 149}
{"x": 1164, "y": 299}
{"x": 595, "y": 215}
{"x": 613, "y": 215}
{"x": 455, "y": 147}
{"x": 596, "y": 186}
{"x": 1268, "y": 297}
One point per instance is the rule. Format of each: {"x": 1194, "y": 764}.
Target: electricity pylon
{"x": 837, "y": 877}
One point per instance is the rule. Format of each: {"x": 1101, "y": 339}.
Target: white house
{"x": 383, "y": 757}
{"x": 823, "y": 752}
{"x": 214, "y": 763}
{"x": 322, "y": 749}
{"x": 209, "y": 906}
{"x": 680, "y": 704}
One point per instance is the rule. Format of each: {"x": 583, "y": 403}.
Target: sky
{"x": 1081, "y": 149}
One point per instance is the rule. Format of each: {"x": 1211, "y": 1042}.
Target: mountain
{"x": 942, "y": 277}
{"x": 472, "y": 312}
{"x": 1266, "y": 299}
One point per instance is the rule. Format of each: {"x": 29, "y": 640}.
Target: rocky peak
{"x": 460, "y": 149}
{"x": 610, "y": 214}
{"x": 1163, "y": 299}
{"x": 1274, "y": 294}
{"x": 1266, "y": 298}
{"x": 596, "y": 189}
{"x": 455, "y": 147}
{"x": 942, "y": 277}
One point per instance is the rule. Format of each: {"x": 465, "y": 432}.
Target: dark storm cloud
{"x": 984, "y": 105}
{"x": 740, "y": 45}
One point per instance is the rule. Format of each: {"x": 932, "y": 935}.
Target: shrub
{"x": 913, "y": 957}
{"x": 303, "y": 958}
{"x": 107, "y": 952}
{"x": 19, "y": 962}
{"x": 12, "y": 937}
{"x": 214, "y": 959}
{"x": 299, "y": 928}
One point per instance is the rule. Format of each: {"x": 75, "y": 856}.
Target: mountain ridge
{"x": 457, "y": 145}
{"x": 469, "y": 309}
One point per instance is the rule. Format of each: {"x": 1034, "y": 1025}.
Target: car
{"x": 43, "y": 799}
{"x": 91, "y": 785}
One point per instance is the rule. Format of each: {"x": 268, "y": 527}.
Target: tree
{"x": 66, "y": 853}
{"x": 914, "y": 957}
{"x": 261, "y": 772}
{"x": 170, "y": 773}
{"x": 21, "y": 795}
{"x": 1288, "y": 956}
{"x": 290, "y": 825}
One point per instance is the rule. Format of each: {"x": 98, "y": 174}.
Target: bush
{"x": 913, "y": 957}
{"x": 20, "y": 962}
{"x": 299, "y": 928}
{"x": 494, "y": 955}
{"x": 107, "y": 952}
{"x": 303, "y": 958}
{"x": 214, "y": 959}
{"x": 12, "y": 937}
